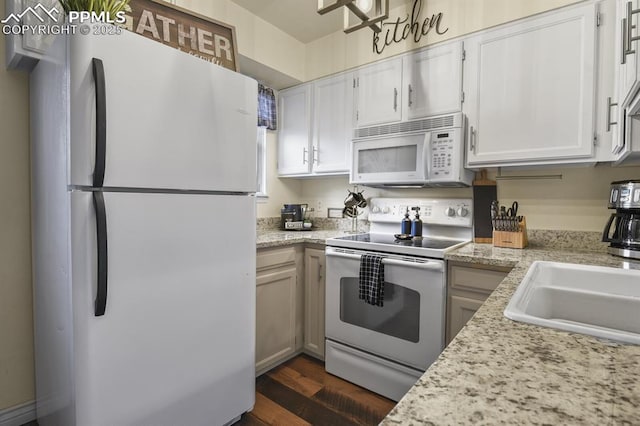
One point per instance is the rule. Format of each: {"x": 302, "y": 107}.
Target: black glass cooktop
{"x": 425, "y": 242}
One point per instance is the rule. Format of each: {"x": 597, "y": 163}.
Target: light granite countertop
{"x": 498, "y": 371}
{"x": 276, "y": 238}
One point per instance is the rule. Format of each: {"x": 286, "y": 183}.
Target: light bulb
{"x": 364, "y": 5}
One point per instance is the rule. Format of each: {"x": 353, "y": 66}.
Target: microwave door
{"x": 390, "y": 160}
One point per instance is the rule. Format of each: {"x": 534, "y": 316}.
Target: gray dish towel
{"x": 371, "y": 279}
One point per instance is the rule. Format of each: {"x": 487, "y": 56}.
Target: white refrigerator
{"x": 143, "y": 223}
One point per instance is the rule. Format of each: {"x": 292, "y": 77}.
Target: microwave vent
{"x": 425, "y": 124}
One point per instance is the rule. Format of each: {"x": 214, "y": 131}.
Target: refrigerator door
{"x": 176, "y": 342}
{"x": 167, "y": 119}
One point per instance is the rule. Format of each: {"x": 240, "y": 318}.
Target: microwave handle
{"x": 607, "y": 228}
{"x": 432, "y": 266}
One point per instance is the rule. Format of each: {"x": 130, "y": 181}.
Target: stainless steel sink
{"x": 594, "y": 300}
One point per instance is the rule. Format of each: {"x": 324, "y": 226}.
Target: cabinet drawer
{"x": 476, "y": 278}
{"x": 267, "y": 259}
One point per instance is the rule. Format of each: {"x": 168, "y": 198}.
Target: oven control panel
{"x": 445, "y": 211}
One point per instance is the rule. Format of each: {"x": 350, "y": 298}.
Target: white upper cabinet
{"x": 433, "y": 81}
{"x": 417, "y": 85}
{"x": 316, "y": 123}
{"x": 629, "y": 45}
{"x": 332, "y": 124}
{"x": 530, "y": 90}
{"x": 627, "y": 55}
{"x": 379, "y": 93}
{"x": 294, "y": 130}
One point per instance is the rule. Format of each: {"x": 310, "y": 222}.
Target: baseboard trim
{"x": 18, "y": 415}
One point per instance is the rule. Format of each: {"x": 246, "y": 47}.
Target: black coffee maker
{"x": 292, "y": 216}
{"x": 624, "y": 236}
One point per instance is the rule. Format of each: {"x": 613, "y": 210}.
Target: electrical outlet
{"x": 319, "y": 206}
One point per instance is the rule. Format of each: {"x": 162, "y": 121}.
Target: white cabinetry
{"x": 316, "y": 121}
{"x": 379, "y": 97}
{"x": 469, "y": 285}
{"x": 332, "y": 124}
{"x": 294, "y": 130}
{"x": 629, "y": 44}
{"x": 433, "y": 81}
{"x": 277, "y": 307}
{"x": 314, "y": 304}
{"x": 627, "y": 65}
{"x": 530, "y": 90}
{"x": 417, "y": 85}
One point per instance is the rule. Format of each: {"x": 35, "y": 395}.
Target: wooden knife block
{"x": 516, "y": 240}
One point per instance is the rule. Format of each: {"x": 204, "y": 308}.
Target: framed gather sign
{"x": 184, "y": 30}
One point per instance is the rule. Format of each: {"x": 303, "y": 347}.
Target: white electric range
{"x": 387, "y": 348}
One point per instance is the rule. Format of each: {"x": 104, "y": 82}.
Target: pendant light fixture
{"x": 358, "y": 13}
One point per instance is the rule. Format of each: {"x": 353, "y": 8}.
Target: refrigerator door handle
{"x": 101, "y": 228}
{"x": 101, "y": 122}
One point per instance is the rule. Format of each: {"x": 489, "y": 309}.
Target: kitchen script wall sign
{"x": 184, "y": 30}
{"x": 412, "y": 25}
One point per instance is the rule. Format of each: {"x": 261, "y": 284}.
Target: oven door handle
{"x": 429, "y": 265}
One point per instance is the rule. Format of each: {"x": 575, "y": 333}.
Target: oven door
{"x": 391, "y": 160}
{"x": 409, "y": 328}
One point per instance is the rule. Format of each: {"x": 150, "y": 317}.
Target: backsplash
{"x": 538, "y": 238}
{"x": 566, "y": 240}
{"x": 319, "y": 223}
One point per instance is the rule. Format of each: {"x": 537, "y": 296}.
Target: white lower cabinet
{"x": 278, "y": 319}
{"x": 289, "y": 304}
{"x": 468, "y": 286}
{"x": 314, "y": 302}
{"x": 530, "y": 90}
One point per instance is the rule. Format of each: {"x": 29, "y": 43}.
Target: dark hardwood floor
{"x": 301, "y": 392}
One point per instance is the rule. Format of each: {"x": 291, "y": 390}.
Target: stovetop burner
{"x": 447, "y": 225}
{"x": 425, "y": 242}
{"x": 386, "y": 243}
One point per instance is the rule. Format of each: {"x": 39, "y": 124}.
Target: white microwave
{"x": 420, "y": 153}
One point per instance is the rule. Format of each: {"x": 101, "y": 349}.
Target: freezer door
{"x": 167, "y": 119}
{"x": 176, "y": 342}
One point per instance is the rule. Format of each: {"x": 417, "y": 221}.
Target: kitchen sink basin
{"x": 594, "y": 300}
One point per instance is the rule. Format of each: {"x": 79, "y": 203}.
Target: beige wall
{"x": 339, "y": 51}
{"x": 16, "y": 321}
{"x": 577, "y": 202}
{"x": 280, "y": 191}
{"x": 257, "y": 39}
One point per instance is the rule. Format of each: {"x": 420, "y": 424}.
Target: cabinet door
{"x": 433, "y": 81}
{"x": 530, "y": 88}
{"x": 461, "y": 309}
{"x": 314, "y": 264}
{"x": 378, "y": 93}
{"x": 295, "y": 130}
{"x": 275, "y": 317}
{"x": 332, "y": 123}
{"x": 629, "y": 70}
